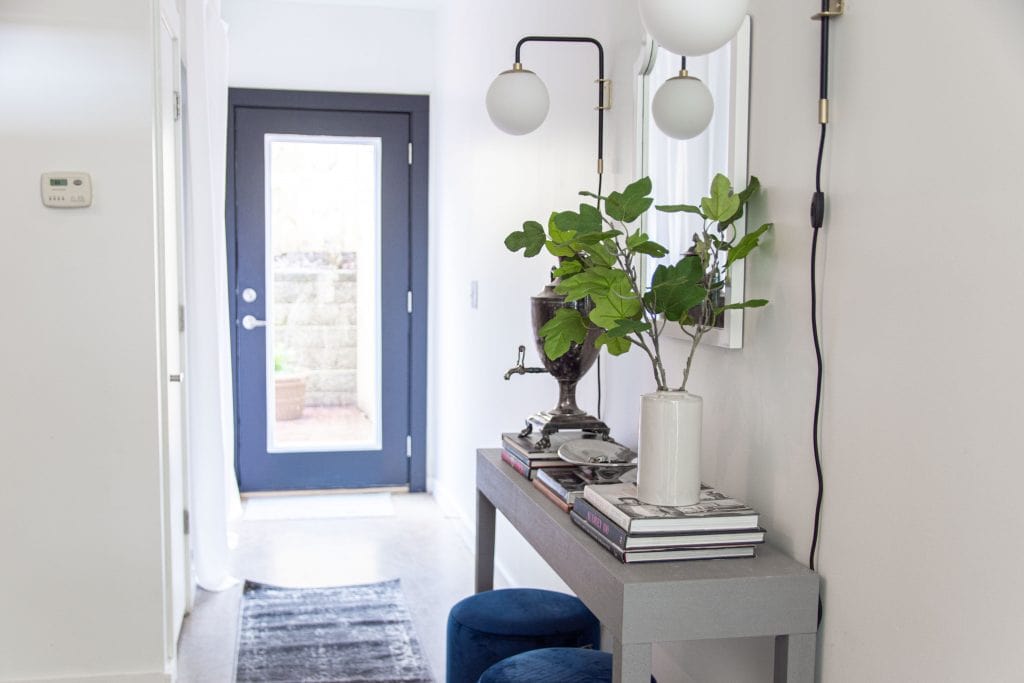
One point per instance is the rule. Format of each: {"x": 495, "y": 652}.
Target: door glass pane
{"x": 323, "y": 293}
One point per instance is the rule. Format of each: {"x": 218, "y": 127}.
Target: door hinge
{"x": 408, "y": 301}
{"x": 177, "y": 105}
{"x": 187, "y": 522}
{"x": 410, "y": 154}
{"x": 408, "y": 446}
{"x": 181, "y": 318}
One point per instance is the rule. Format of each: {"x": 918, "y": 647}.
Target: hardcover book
{"x": 550, "y": 495}
{"x": 661, "y": 554}
{"x": 518, "y": 465}
{"x": 713, "y": 512}
{"x": 616, "y": 535}
{"x": 568, "y": 484}
{"x": 526, "y": 446}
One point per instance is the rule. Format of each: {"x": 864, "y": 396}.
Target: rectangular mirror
{"x": 681, "y": 170}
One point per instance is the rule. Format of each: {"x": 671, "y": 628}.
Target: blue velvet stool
{"x": 553, "y": 665}
{"x": 488, "y": 627}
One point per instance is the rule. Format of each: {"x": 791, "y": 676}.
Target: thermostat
{"x": 66, "y": 190}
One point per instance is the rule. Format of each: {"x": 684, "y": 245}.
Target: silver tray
{"x": 603, "y": 459}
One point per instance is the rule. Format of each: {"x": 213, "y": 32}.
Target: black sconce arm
{"x": 602, "y": 82}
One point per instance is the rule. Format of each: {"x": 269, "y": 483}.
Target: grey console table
{"x": 769, "y": 595}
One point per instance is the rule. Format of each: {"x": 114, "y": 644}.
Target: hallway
{"x": 417, "y": 544}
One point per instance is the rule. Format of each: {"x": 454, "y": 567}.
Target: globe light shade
{"x": 682, "y": 107}
{"x": 517, "y": 101}
{"x": 693, "y": 27}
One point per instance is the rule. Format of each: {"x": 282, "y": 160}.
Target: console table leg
{"x": 631, "y": 663}
{"x": 484, "y": 543}
{"x": 794, "y": 658}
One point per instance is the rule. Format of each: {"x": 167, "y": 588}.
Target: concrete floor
{"x": 417, "y": 545}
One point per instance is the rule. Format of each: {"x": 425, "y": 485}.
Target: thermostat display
{"x": 66, "y": 190}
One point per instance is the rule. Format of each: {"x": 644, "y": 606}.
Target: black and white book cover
{"x": 714, "y": 511}
{"x": 660, "y": 554}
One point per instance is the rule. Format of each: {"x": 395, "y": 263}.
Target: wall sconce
{"x": 683, "y": 106}
{"x": 518, "y": 101}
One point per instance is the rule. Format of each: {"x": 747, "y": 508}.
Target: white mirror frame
{"x": 731, "y": 124}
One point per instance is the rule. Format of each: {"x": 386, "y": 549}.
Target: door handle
{"x": 250, "y": 322}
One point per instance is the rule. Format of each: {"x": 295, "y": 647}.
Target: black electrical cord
{"x": 600, "y": 178}
{"x": 817, "y": 221}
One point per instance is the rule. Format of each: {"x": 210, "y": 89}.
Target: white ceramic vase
{"x": 668, "y": 471}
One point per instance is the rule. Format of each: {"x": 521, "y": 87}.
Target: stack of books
{"x": 564, "y": 485}
{"x": 526, "y": 457}
{"x": 634, "y": 531}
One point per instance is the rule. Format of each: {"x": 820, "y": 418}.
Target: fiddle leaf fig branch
{"x": 599, "y": 255}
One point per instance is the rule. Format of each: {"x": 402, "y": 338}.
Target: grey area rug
{"x": 347, "y": 634}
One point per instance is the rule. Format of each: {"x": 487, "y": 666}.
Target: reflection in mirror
{"x": 681, "y": 170}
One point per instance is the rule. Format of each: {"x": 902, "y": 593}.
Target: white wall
{"x": 337, "y": 47}
{"x": 922, "y": 462}
{"x": 922, "y": 455}
{"x": 486, "y": 183}
{"x": 82, "y": 584}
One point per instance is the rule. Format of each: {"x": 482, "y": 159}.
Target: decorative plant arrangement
{"x": 599, "y": 255}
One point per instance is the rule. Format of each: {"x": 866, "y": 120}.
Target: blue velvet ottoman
{"x": 553, "y": 665}
{"x": 485, "y": 628}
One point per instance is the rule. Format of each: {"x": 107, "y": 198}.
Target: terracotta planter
{"x": 289, "y": 396}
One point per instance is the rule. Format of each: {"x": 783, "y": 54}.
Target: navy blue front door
{"x": 321, "y": 287}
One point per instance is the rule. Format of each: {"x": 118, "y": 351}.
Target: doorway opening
{"x": 327, "y": 249}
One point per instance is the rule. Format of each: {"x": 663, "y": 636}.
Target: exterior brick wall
{"x": 315, "y": 327}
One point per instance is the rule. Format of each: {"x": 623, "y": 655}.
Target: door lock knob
{"x": 250, "y": 322}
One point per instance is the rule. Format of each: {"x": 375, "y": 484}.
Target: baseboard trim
{"x": 149, "y": 677}
{"x": 466, "y": 529}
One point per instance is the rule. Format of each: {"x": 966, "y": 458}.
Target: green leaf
{"x": 688, "y": 270}
{"x": 624, "y": 327}
{"x": 564, "y": 329}
{"x": 600, "y": 254}
{"x": 640, "y": 243}
{"x": 560, "y": 249}
{"x": 628, "y": 205}
{"x": 595, "y": 237}
{"x": 749, "y": 303}
{"x": 616, "y": 345}
{"x": 597, "y": 280}
{"x": 589, "y": 220}
{"x": 566, "y": 221}
{"x": 744, "y": 196}
{"x": 567, "y": 267}
{"x": 651, "y": 249}
{"x": 616, "y": 304}
{"x": 722, "y": 203}
{"x": 676, "y": 289}
{"x": 677, "y": 208}
{"x": 751, "y": 189}
{"x": 531, "y": 239}
{"x": 562, "y": 226}
{"x": 639, "y": 188}
{"x": 746, "y": 245}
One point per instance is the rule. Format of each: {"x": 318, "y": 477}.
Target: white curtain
{"x": 215, "y": 500}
